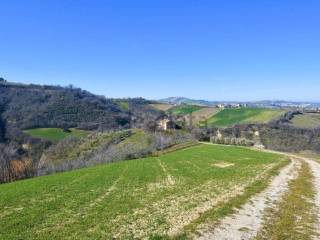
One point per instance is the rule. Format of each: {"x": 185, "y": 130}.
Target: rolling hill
{"x": 34, "y": 106}
{"x": 183, "y": 100}
{"x": 152, "y": 197}
{"x": 42, "y": 110}
{"x": 229, "y": 117}
{"x": 105, "y": 147}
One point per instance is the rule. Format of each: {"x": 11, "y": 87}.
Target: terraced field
{"x": 55, "y": 134}
{"x": 229, "y": 117}
{"x": 154, "y": 197}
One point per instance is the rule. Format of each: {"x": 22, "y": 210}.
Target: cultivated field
{"x": 162, "y": 106}
{"x": 202, "y": 114}
{"x": 55, "y": 134}
{"x": 205, "y": 112}
{"x": 170, "y": 195}
{"x": 306, "y": 120}
{"x": 184, "y": 109}
{"x": 229, "y": 117}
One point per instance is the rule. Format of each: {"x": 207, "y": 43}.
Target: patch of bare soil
{"x": 246, "y": 223}
{"x": 223, "y": 164}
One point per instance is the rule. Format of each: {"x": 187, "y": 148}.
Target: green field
{"x": 229, "y": 117}
{"x": 306, "y": 120}
{"x": 184, "y": 109}
{"x": 141, "y": 198}
{"x": 55, "y": 134}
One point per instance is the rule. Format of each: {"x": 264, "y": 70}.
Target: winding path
{"x": 248, "y": 220}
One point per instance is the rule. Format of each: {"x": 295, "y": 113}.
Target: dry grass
{"x": 306, "y": 120}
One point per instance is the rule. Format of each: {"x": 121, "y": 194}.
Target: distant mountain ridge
{"x": 262, "y": 103}
{"x": 183, "y": 100}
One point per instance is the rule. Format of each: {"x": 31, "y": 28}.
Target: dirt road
{"x": 247, "y": 221}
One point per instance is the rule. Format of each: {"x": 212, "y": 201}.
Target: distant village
{"x": 231, "y": 105}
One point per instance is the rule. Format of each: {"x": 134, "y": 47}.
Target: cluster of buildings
{"x": 231, "y": 105}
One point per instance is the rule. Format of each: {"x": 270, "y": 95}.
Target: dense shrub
{"x": 288, "y": 138}
{"x": 277, "y": 135}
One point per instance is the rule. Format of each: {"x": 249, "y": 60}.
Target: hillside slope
{"x": 31, "y": 106}
{"x": 184, "y": 109}
{"x": 306, "y": 120}
{"x": 229, "y": 117}
{"x": 138, "y": 199}
{"x": 188, "y": 101}
{"x": 97, "y": 148}
{"x": 200, "y": 116}
{"x": 26, "y": 107}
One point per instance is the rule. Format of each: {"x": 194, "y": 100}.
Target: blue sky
{"x": 216, "y": 50}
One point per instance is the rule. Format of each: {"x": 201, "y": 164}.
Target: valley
{"x": 159, "y": 120}
{"x": 80, "y": 166}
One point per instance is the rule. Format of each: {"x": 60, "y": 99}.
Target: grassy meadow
{"x": 55, "y": 134}
{"x": 232, "y": 116}
{"x": 153, "y": 197}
